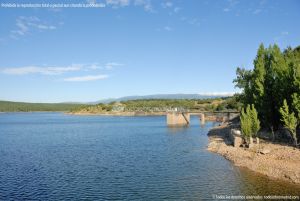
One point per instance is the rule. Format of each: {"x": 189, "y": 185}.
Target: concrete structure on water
{"x": 178, "y": 118}
{"x": 181, "y": 118}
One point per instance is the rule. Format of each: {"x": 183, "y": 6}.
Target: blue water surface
{"x": 55, "y": 156}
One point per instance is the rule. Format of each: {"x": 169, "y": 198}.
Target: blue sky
{"x": 135, "y": 47}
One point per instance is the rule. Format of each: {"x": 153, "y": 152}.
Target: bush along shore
{"x": 265, "y": 136}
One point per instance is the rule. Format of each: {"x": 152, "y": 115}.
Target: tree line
{"x": 8, "y": 106}
{"x": 159, "y": 105}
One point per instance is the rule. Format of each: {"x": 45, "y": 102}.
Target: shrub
{"x": 289, "y": 120}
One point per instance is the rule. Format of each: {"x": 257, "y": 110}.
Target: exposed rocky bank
{"x": 277, "y": 161}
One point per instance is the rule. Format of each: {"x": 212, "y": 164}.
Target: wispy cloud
{"x": 257, "y": 11}
{"x": 171, "y": 7}
{"x": 281, "y": 37}
{"x": 41, "y": 70}
{"x": 86, "y": 78}
{"x": 230, "y": 5}
{"x": 146, "y": 4}
{"x": 167, "y": 28}
{"x": 26, "y": 24}
{"x": 192, "y": 21}
{"x": 111, "y": 65}
{"x": 177, "y": 9}
{"x": 56, "y": 70}
{"x": 167, "y": 4}
{"x": 254, "y": 7}
{"x": 118, "y": 3}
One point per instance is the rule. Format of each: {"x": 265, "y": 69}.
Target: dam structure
{"x": 178, "y": 118}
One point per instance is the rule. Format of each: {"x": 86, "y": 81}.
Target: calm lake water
{"x": 53, "y": 156}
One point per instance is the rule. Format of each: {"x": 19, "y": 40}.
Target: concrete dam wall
{"x": 178, "y": 118}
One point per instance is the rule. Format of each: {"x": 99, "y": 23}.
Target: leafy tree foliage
{"x": 255, "y": 123}
{"x": 246, "y": 122}
{"x": 289, "y": 120}
{"x": 250, "y": 123}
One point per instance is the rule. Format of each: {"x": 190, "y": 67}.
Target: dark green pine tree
{"x": 259, "y": 73}
{"x": 281, "y": 85}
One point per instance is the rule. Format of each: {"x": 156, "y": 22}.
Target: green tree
{"x": 250, "y": 123}
{"x": 289, "y": 120}
{"x": 244, "y": 81}
{"x": 246, "y": 125}
{"x": 296, "y": 104}
{"x": 259, "y": 74}
{"x": 255, "y": 123}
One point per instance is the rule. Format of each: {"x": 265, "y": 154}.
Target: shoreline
{"x": 215, "y": 118}
{"x": 125, "y": 114}
{"x": 277, "y": 161}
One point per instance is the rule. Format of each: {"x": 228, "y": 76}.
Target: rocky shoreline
{"x": 278, "y": 161}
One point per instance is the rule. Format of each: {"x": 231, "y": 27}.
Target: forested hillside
{"x": 162, "y": 105}
{"x": 7, "y": 106}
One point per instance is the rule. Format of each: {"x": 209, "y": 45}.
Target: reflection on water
{"x": 52, "y": 156}
{"x": 257, "y": 184}
{"x": 177, "y": 129}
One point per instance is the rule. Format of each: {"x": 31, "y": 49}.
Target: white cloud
{"x": 194, "y": 21}
{"x": 146, "y": 4}
{"x": 167, "y": 28}
{"x": 25, "y": 24}
{"x": 94, "y": 66}
{"x": 167, "y": 4}
{"x": 257, "y": 11}
{"x": 86, "y": 78}
{"x": 111, "y": 65}
{"x": 92, "y": 1}
{"x": 177, "y": 9}
{"x": 230, "y": 5}
{"x": 56, "y": 70}
{"x": 118, "y": 3}
{"x": 281, "y": 37}
{"x": 41, "y": 70}
{"x": 45, "y": 27}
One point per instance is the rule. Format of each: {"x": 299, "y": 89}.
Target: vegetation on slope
{"x": 7, "y": 106}
{"x": 161, "y": 105}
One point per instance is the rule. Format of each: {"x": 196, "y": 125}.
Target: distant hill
{"x": 162, "y": 96}
{"x": 9, "y": 106}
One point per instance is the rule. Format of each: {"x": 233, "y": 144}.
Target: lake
{"x": 54, "y": 156}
